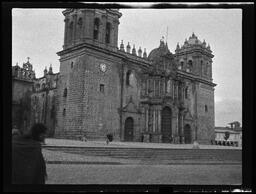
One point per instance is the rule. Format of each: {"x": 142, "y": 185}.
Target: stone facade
{"x": 101, "y": 89}
{"x": 44, "y": 101}
{"x": 33, "y": 100}
{"x": 22, "y": 87}
{"x": 162, "y": 97}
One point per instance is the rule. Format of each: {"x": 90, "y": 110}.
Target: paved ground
{"x": 82, "y": 169}
{"x": 145, "y": 174}
{"x": 62, "y": 157}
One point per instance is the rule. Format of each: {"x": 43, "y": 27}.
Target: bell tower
{"x": 98, "y": 27}
{"x": 195, "y": 57}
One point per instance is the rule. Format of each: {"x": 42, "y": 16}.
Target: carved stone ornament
{"x": 103, "y": 67}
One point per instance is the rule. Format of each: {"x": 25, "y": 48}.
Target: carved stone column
{"x": 159, "y": 120}
{"x": 154, "y": 120}
{"x": 182, "y": 128}
{"x": 74, "y": 29}
{"x": 179, "y": 128}
{"x": 146, "y": 119}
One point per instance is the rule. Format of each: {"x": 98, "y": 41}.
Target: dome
{"x": 160, "y": 51}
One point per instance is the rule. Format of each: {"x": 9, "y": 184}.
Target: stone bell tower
{"x": 195, "y": 57}
{"x": 98, "y": 27}
{"x": 89, "y": 86}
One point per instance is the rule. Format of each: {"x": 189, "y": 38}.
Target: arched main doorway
{"x": 128, "y": 129}
{"x": 166, "y": 124}
{"x": 187, "y": 133}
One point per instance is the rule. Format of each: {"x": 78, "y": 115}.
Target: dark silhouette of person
{"x": 16, "y": 132}
{"x": 28, "y": 164}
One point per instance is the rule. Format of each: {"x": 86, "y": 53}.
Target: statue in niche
{"x": 169, "y": 86}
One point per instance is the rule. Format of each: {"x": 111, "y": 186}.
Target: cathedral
{"x": 104, "y": 88}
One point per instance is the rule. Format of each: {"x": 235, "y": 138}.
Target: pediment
{"x": 188, "y": 115}
{"x": 131, "y": 107}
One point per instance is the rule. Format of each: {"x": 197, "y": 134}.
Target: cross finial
{"x": 28, "y": 58}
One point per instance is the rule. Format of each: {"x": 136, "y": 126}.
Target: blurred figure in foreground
{"x": 16, "y": 133}
{"x": 28, "y": 164}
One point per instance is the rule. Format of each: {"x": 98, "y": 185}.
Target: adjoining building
{"x": 43, "y": 100}
{"x": 33, "y": 99}
{"x": 231, "y": 136}
{"x": 102, "y": 88}
{"x": 22, "y": 88}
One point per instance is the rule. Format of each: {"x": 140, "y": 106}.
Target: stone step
{"x": 155, "y": 154}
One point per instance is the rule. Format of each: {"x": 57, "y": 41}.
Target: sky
{"x": 39, "y": 35}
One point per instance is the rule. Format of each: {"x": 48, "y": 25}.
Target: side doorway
{"x": 187, "y": 134}
{"x": 128, "y": 129}
{"x": 166, "y": 125}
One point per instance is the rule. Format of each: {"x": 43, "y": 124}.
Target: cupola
{"x": 128, "y": 48}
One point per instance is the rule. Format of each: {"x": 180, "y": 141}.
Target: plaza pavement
{"x": 73, "y": 168}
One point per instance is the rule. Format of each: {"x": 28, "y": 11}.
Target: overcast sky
{"x": 39, "y": 34}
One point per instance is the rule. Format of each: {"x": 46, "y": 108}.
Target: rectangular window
{"x": 143, "y": 89}
{"x": 102, "y": 88}
{"x": 151, "y": 87}
{"x": 175, "y": 90}
{"x": 161, "y": 87}
{"x": 179, "y": 92}
{"x": 157, "y": 87}
{"x": 108, "y": 29}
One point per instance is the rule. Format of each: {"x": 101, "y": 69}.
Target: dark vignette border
{"x": 248, "y": 88}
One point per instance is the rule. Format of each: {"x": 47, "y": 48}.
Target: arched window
{"x": 52, "y": 112}
{"x": 205, "y": 69}
{"x": 205, "y": 108}
{"x": 128, "y": 78}
{"x": 37, "y": 86}
{"x": 71, "y": 26}
{"x": 181, "y": 65}
{"x": 65, "y": 92}
{"x": 190, "y": 65}
{"x": 202, "y": 67}
{"x": 108, "y": 30}
{"x": 80, "y": 23}
{"x": 102, "y": 88}
{"x": 72, "y": 64}
{"x": 64, "y": 112}
{"x": 96, "y": 28}
{"x": 208, "y": 69}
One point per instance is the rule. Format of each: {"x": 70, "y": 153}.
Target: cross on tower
{"x": 28, "y": 58}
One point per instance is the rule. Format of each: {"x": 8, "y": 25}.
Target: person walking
{"x": 28, "y": 164}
